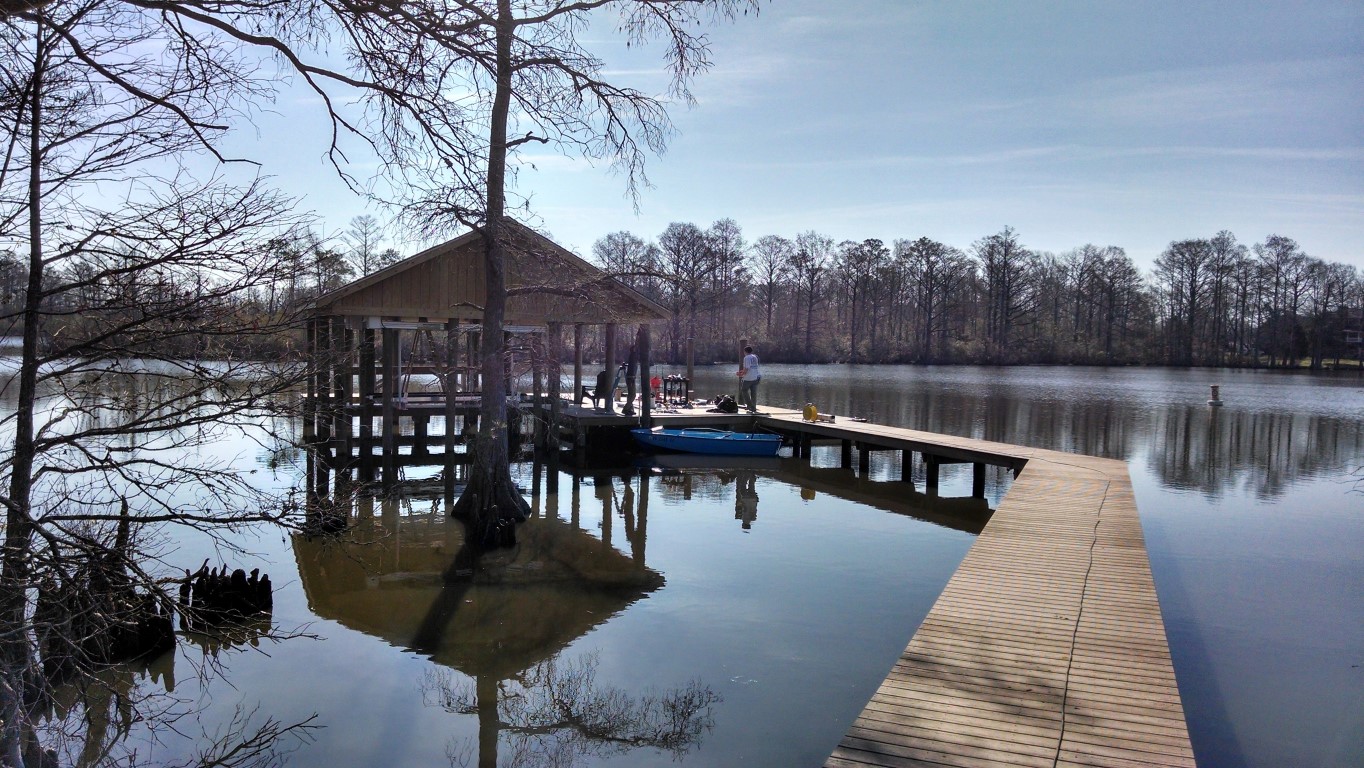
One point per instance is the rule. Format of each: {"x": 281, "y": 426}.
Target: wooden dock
{"x": 1047, "y": 646}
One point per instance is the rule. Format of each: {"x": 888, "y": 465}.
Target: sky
{"x": 1132, "y": 124}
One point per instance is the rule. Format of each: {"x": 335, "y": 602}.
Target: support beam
{"x": 691, "y": 366}
{"x": 610, "y": 398}
{"x": 577, "y": 363}
{"x": 367, "y": 389}
{"x": 390, "y": 410}
{"x": 907, "y": 466}
{"x": 642, "y": 343}
{"x": 931, "y": 464}
{"x": 978, "y": 480}
{"x": 451, "y": 386}
{"x": 863, "y": 460}
{"x": 555, "y": 381}
{"x": 845, "y": 454}
{"x": 343, "y": 340}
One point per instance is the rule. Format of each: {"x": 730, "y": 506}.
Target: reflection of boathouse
{"x": 374, "y": 341}
{"x": 408, "y": 579}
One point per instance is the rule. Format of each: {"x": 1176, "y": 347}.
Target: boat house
{"x": 377, "y": 344}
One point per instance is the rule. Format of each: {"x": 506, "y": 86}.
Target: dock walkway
{"x": 1047, "y": 646}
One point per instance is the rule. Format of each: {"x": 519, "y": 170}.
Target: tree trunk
{"x": 15, "y": 650}
{"x": 490, "y": 505}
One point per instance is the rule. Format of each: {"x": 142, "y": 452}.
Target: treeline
{"x": 162, "y": 301}
{"x": 1210, "y": 301}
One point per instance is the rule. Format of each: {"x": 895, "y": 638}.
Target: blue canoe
{"x": 715, "y": 442}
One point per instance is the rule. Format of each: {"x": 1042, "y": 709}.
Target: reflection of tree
{"x": 1214, "y": 450}
{"x": 554, "y": 713}
{"x": 102, "y": 719}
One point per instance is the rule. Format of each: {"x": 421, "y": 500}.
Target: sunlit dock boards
{"x": 1047, "y": 647}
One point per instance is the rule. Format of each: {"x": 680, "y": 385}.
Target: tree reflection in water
{"x": 111, "y": 717}
{"x": 554, "y": 714}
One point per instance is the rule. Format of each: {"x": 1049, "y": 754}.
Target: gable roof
{"x": 547, "y": 283}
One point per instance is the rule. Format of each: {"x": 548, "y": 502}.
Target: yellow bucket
{"x": 810, "y": 412}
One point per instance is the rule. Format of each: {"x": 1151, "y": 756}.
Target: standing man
{"x": 749, "y": 375}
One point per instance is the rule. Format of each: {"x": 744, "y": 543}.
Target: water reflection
{"x": 407, "y": 575}
{"x": 1265, "y": 436}
{"x": 504, "y": 620}
{"x": 746, "y": 497}
{"x": 102, "y": 719}
{"x": 555, "y": 714}
{"x": 503, "y": 625}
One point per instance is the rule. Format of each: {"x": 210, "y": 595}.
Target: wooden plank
{"x": 1047, "y": 645}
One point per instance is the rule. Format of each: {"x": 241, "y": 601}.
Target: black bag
{"x": 726, "y": 404}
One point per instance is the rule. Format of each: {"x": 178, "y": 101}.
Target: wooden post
{"x": 324, "y": 384}
{"x": 343, "y": 341}
{"x": 577, "y": 396}
{"x": 646, "y": 418}
{"x": 863, "y": 461}
{"x": 803, "y": 447}
{"x": 691, "y": 366}
{"x": 472, "y": 342}
{"x": 367, "y": 379}
{"x": 907, "y": 466}
{"x": 739, "y": 383}
{"x": 451, "y": 387}
{"x": 555, "y": 382}
{"x": 610, "y": 366}
{"x": 978, "y": 480}
{"x": 931, "y": 482}
{"x": 314, "y": 359}
{"x": 845, "y": 454}
{"x": 421, "y": 423}
{"x": 389, "y": 457}
{"x": 641, "y": 521}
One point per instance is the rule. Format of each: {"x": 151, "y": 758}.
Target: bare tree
{"x": 1006, "y": 268}
{"x": 363, "y": 239}
{"x": 492, "y": 76}
{"x": 136, "y": 325}
{"x": 809, "y": 261}
{"x": 770, "y": 257}
{"x": 686, "y": 262}
{"x": 936, "y": 274}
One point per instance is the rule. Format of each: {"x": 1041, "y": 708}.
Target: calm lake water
{"x": 744, "y": 614}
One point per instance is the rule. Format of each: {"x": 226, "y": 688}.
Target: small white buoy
{"x": 1216, "y": 399}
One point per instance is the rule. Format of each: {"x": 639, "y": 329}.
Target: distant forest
{"x": 1208, "y": 302}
